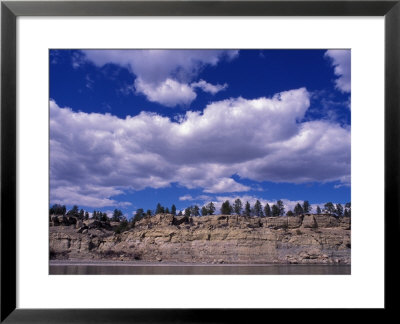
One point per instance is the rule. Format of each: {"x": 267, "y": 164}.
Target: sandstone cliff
{"x": 316, "y": 239}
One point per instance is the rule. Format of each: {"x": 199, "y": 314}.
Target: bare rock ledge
{"x": 305, "y": 239}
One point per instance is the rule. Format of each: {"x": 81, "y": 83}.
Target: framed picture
{"x": 167, "y": 127}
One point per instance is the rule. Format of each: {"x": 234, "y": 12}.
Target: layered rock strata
{"x": 306, "y": 239}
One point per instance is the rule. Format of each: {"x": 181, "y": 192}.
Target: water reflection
{"x": 109, "y": 269}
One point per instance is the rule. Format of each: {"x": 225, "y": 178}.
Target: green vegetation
{"x": 210, "y": 208}
{"x": 57, "y": 209}
{"x": 159, "y": 209}
{"x": 258, "y": 210}
{"x": 74, "y": 211}
{"x": 100, "y": 216}
{"x": 306, "y": 207}
{"x": 122, "y": 226}
{"x": 267, "y": 210}
{"x": 117, "y": 215}
{"x": 347, "y": 210}
{"x": 279, "y": 204}
{"x": 195, "y": 210}
{"x": 339, "y": 210}
{"x": 139, "y": 215}
{"x": 329, "y": 208}
{"x": 247, "y": 209}
{"x": 298, "y": 209}
{"x": 226, "y": 208}
{"x": 237, "y": 207}
{"x": 275, "y": 211}
{"x": 187, "y": 212}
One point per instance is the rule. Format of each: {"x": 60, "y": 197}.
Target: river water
{"x": 126, "y": 268}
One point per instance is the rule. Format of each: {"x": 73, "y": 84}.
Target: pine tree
{"x": 258, "y": 209}
{"x": 86, "y": 215}
{"x": 237, "y": 206}
{"x": 339, "y": 210}
{"x": 247, "y": 209}
{"x": 329, "y": 208}
{"x": 211, "y": 208}
{"x": 226, "y": 208}
{"x": 57, "y": 209}
{"x": 267, "y": 210}
{"x": 104, "y": 217}
{"x": 195, "y": 210}
{"x": 204, "y": 211}
{"x": 173, "y": 210}
{"x": 187, "y": 211}
{"x": 289, "y": 213}
{"x": 298, "y": 210}
{"x": 74, "y": 211}
{"x": 275, "y": 211}
{"x": 117, "y": 214}
{"x": 167, "y": 210}
{"x": 281, "y": 208}
{"x": 138, "y": 215}
{"x": 159, "y": 209}
{"x": 347, "y": 210}
{"x": 319, "y": 210}
{"x": 306, "y": 207}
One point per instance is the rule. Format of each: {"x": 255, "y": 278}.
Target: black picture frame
{"x": 10, "y": 10}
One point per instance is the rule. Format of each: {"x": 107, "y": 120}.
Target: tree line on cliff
{"x": 275, "y": 210}
{"x": 81, "y": 214}
{"x": 237, "y": 208}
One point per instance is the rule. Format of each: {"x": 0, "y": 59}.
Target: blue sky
{"x": 131, "y": 128}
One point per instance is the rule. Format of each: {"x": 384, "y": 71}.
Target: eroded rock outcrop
{"x": 210, "y": 239}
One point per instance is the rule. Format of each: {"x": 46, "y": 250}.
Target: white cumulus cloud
{"x": 208, "y": 87}
{"x": 341, "y": 61}
{"x": 164, "y": 76}
{"x": 226, "y": 185}
{"x": 85, "y": 196}
{"x": 190, "y": 198}
{"x": 260, "y": 139}
{"x": 168, "y": 93}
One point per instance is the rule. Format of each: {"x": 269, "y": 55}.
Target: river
{"x": 133, "y": 268}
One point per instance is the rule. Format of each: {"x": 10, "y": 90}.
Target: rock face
{"x": 305, "y": 239}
